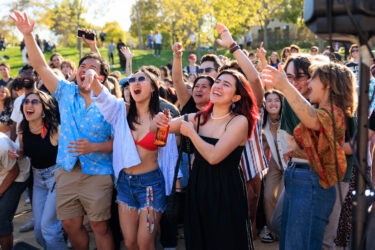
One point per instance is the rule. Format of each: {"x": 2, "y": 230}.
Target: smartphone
{"x": 89, "y": 36}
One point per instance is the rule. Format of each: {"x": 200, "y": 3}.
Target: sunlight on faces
{"x": 273, "y": 103}
{"x": 89, "y": 63}
{"x": 201, "y": 92}
{"x": 3, "y": 93}
{"x": 66, "y": 69}
{"x": 4, "y": 72}
{"x": 141, "y": 90}
{"x": 32, "y": 110}
{"x": 318, "y": 93}
{"x": 208, "y": 64}
{"x": 301, "y": 85}
{"x": 224, "y": 90}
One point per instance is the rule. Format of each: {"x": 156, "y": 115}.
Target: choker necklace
{"x": 220, "y": 117}
{"x": 35, "y": 129}
{"x": 276, "y": 122}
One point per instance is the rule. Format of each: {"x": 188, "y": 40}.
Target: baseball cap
{"x": 192, "y": 56}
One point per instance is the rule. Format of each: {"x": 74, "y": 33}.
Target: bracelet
{"x": 232, "y": 45}
{"x": 236, "y": 47}
{"x": 177, "y": 55}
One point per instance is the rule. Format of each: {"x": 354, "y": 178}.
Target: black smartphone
{"x": 89, "y": 36}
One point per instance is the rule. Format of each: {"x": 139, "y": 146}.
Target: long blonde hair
{"x": 342, "y": 83}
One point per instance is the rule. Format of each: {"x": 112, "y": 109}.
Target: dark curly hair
{"x": 153, "y": 105}
{"x": 51, "y": 115}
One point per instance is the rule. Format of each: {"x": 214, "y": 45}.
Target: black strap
{"x": 199, "y": 121}
{"x": 228, "y": 123}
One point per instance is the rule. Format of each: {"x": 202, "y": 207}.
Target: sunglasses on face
{"x": 207, "y": 70}
{"x": 33, "y": 102}
{"x": 133, "y": 79}
{"x": 314, "y": 50}
{"x": 355, "y": 50}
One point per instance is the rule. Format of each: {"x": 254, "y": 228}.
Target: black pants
{"x": 122, "y": 63}
{"x": 169, "y": 232}
{"x": 110, "y": 58}
{"x": 157, "y": 49}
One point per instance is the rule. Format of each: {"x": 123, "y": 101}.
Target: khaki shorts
{"x": 78, "y": 194}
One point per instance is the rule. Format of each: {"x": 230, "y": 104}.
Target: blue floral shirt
{"x": 77, "y": 122}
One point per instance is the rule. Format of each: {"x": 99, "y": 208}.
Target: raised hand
{"x": 127, "y": 53}
{"x": 88, "y": 41}
{"x": 226, "y": 38}
{"x": 261, "y": 52}
{"x": 22, "y": 22}
{"x": 177, "y": 48}
{"x": 274, "y": 78}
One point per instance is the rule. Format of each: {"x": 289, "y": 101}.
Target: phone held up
{"x": 89, "y": 36}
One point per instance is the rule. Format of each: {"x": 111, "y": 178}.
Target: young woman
{"x": 6, "y": 108}
{"x": 217, "y": 215}
{"x": 55, "y": 61}
{"x": 276, "y": 147}
{"x": 285, "y": 53}
{"x": 140, "y": 183}
{"x": 38, "y": 136}
{"x": 310, "y": 187}
{"x": 274, "y": 60}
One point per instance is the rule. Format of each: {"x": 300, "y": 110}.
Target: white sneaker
{"x": 27, "y": 201}
{"x": 27, "y": 227}
{"x": 264, "y": 232}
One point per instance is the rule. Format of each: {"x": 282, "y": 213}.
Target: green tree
{"x": 113, "y": 31}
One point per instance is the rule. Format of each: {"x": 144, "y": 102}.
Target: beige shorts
{"x": 78, "y": 194}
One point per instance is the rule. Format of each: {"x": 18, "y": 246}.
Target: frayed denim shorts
{"x": 142, "y": 191}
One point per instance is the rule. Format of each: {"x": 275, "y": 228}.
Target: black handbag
{"x": 174, "y": 211}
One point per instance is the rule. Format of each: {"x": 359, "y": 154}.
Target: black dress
{"x": 217, "y": 215}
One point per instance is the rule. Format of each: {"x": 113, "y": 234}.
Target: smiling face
{"x": 3, "y": 93}
{"x": 298, "y": 78}
{"x": 56, "y": 61}
{"x": 32, "y": 108}
{"x": 4, "y": 72}
{"x": 201, "y": 92}
{"x": 89, "y": 63}
{"x": 141, "y": 89}
{"x": 224, "y": 90}
{"x": 66, "y": 69}
{"x": 208, "y": 66}
{"x": 273, "y": 104}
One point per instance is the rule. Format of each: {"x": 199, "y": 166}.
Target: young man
{"x": 210, "y": 65}
{"x": 4, "y": 72}
{"x": 84, "y": 184}
{"x": 158, "y": 41}
{"x": 192, "y": 68}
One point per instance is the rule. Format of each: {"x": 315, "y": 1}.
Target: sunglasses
{"x": 355, "y": 50}
{"x": 33, "y": 102}
{"x": 314, "y": 50}
{"x": 298, "y": 78}
{"x": 207, "y": 70}
{"x": 133, "y": 79}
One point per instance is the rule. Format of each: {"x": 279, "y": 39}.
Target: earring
{"x": 43, "y": 115}
{"x": 233, "y": 106}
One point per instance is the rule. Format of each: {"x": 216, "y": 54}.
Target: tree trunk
{"x": 265, "y": 34}
{"x": 140, "y": 45}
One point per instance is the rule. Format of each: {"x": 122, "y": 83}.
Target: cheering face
{"x": 208, "y": 68}
{"x": 89, "y": 63}
{"x": 201, "y": 92}
{"x": 140, "y": 87}
{"x": 223, "y": 90}
{"x": 273, "y": 104}
{"x": 32, "y": 108}
{"x": 298, "y": 78}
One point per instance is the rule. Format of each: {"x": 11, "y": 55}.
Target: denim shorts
{"x": 140, "y": 191}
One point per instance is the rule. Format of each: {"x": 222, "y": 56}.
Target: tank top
{"x": 41, "y": 152}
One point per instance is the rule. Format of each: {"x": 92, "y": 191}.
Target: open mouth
{"x": 216, "y": 93}
{"x": 29, "y": 112}
{"x": 137, "y": 91}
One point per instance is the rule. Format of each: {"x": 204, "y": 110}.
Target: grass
{"x": 141, "y": 57}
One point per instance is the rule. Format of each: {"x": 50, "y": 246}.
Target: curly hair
{"x": 342, "y": 83}
{"x": 51, "y": 118}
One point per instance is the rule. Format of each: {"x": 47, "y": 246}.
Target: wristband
{"x": 236, "y": 47}
{"x": 178, "y": 55}
{"x": 232, "y": 45}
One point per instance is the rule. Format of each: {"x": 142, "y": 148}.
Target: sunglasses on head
{"x": 207, "y": 70}
{"x": 133, "y": 79}
{"x": 33, "y": 102}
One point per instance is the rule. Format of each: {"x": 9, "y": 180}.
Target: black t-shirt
{"x": 371, "y": 122}
{"x": 189, "y": 107}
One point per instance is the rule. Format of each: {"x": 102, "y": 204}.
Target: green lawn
{"x": 141, "y": 57}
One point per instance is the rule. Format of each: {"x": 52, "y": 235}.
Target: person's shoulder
{"x": 19, "y": 99}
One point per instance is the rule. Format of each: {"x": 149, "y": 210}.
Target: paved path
{"x": 24, "y": 214}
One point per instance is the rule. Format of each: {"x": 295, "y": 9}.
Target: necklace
{"x": 274, "y": 122}
{"x": 220, "y": 117}
{"x": 35, "y": 129}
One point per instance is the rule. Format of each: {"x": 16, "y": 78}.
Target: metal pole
{"x": 359, "y": 200}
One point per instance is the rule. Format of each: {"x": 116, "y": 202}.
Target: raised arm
{"x": 129, "y": 59}
{"x": 91, "y": 43}
{"x": 304, "y": 110}
{"x": 244, "y": 62}
{"x": 36, "y": 57}
{"x": 262, "y": 53}
{"x": 182, "y": 92}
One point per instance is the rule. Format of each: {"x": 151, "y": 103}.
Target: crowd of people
{"x": 258, "y": 152}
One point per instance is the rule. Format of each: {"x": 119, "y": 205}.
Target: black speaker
{"x": 363, "y": 11}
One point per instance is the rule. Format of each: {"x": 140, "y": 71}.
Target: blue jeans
{"x": 48, "y": 230}
{"x": 184, "y": 167}
{"x": 306, "y": 209}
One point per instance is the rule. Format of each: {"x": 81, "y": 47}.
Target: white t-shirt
{"x": 158, "y": 38}
{"x": 17, "y": 115}
{"x": 192, "y": 38}
{"x": 6, "y": 163}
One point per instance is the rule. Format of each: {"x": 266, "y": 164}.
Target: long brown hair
{"x": 342, "y": 83}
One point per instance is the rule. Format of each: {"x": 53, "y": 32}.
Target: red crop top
{"x": 147, "y": 142}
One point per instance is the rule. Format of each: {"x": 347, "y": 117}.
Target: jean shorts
{"x": 140, "y": 191}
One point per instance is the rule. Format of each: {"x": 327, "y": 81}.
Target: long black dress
{"x": 217, "y": 215}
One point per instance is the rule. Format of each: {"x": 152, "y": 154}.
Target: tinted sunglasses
{"x": 133, "y": 79}
{"x": 33, "y": 102}
{"x": 355, "y": 50}
{"x": 207, "y": 70}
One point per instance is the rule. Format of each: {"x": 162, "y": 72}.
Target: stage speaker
{"x": 363, "y": 11}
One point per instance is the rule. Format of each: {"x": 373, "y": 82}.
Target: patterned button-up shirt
{"x": 77, "y": 122}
